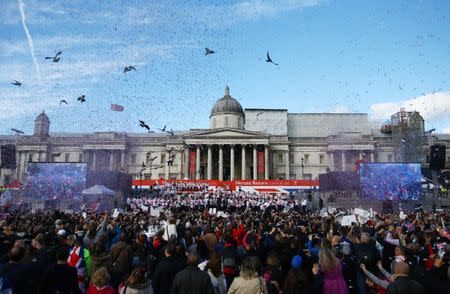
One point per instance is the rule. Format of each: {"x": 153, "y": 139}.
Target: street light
{"x": 302, "y": 160}
{"x": 143, "y": 167}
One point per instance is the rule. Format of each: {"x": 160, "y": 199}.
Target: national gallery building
{"x": 241, "y": 143}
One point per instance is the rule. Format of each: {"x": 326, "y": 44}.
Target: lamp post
{"x": 302, "y": 160}
{"x": 434, "y": 173}
{"x": 143, "y": 167}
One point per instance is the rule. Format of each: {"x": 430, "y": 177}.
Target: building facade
{"x": 241, "y": 143}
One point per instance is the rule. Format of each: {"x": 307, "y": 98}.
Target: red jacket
{"x": 238, "y": 234}
{"x": 105, "y": 290}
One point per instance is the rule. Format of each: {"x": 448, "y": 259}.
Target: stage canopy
{"x": 98, "y": 190}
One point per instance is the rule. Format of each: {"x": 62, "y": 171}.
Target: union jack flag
{"x": 116, "y": 107}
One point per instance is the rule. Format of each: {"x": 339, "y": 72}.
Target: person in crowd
{"x": 214, "y": 269}
{"x": 402, "y": 283}
{"x": 100, "y": 258}
{"x": 249, "y": 281}
{"x": 165, "y": 271}
{"x": 330, "y": 266}
{"x": 192, "y": 279}
{"x": 136, "y": 283}
{"x": 122, "y": 256}
{"x": 60, "y": 277}
{"x": 100, "y": 283}
{"x": 80, "y": 259}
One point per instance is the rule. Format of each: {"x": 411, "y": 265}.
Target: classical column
{"x": 266, "y": 162}
{"x": 94, "y": 160}
{"x": 255, "y": 164}
{"x": 111, "y": 161}
{"x": 197, "y": 163}
{"x": 220, "y": 163}
{"x": 372, "y": 157}
{"x": 186, "y": 162}
{"x": 360, "y": 155}
{"x": 343, "y": 160}
{"x": 166, "y": 167}
{"x": 209, "y": 167}
{"x": 231, "y": 162}
{"x": 331, "y": 161}
{"x": 122, "y": 160}
{"x": 286, "y": 160}
{"x": 243, "y": 168}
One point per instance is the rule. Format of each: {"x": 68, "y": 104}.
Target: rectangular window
{"x": 428, "y": 159}
{"x": 307, "y": 176}
{"x": 226, "y": 122}
{"x": 133, "y": 159}
{"x": 293, "y": 176}
{"x": 280, "y": 157}
{"x": 321, "y": 159}
{"x": 163, "y": 158}
{"x": 389, "y": 157}
{"x": 306, "y": 158}
{"x": 66, "y": 157}
{"x": 30, "y": 157}
{"x": 80, "y": 157}
{"x": 291, "y": 158}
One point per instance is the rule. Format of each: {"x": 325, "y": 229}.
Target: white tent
{"x": 98, "y": 190}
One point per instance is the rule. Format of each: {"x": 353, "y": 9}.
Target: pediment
{"x": 228, "y": 133}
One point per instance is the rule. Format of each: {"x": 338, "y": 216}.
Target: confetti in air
{"x": 30, "y": 41}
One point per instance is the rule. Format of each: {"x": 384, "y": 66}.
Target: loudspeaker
{"x": 437, "y": 157}
{"x": 8, "y": 156}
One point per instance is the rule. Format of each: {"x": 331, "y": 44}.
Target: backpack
{"x": 228, "y": 257}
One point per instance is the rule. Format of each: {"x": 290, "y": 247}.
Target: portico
{"x": 227, "y": 154}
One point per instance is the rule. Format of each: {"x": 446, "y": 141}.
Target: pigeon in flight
{"x": 209, "y": 51}
{"x": 258, "y": 114}
{"x": 152, "y": 159}
{"x": 56, "y": 154}
{"x": 62, "y": 101}
{"x": 170, "y": 150}
{"x": 128, "y": 68}
{"x": 82, "y": 98}
{"x": 56, "y": 58}
{"x": 16, "y": 83}
{"x": 142, "y": 124}
{"x": 171, "y": 132}
{"x": 270, "y": 59}
{"x": 163, "y": 129}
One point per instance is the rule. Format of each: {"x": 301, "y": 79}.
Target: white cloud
{"x": 432, "y": 107}
{"x": 446, "y": 130}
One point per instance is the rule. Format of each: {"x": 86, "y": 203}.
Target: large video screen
{"x": 390, "y": 180}
{"x": 52, "y": 181}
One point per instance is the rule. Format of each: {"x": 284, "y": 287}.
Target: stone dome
{"x": 227, "y": 105}
{"x": 42, "y": 118}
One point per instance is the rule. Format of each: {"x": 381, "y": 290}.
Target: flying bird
{"x": 62, "y": 101}
{"x": 171, "y": 132}
{"x": 258, "y": 114}
{"x": 152, "y": 159}
{"x": 142, "y": 124}
{"x": 128, "y": 68}
{"x": 16, "y": 83}
{"x": 56, "y": 154}
{"x": 163, "y": 129}
{"x": 82, "y": 98}
{"x": 56, "y": 58}
{"x": 209, "y": 51}
{"x": 270, "y": 59}
{"x": 170, "y": 150}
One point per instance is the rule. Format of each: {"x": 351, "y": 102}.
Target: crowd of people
{"x": 255, "y": 246}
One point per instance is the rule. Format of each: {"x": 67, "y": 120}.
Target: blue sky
{"x": 334, "y": 56}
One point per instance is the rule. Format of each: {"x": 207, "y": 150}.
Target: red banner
{"x": 260, "y": 162}
{"x": 192, "y": 167}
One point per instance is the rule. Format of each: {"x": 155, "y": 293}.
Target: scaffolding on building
{"x": 408, "y": 136}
